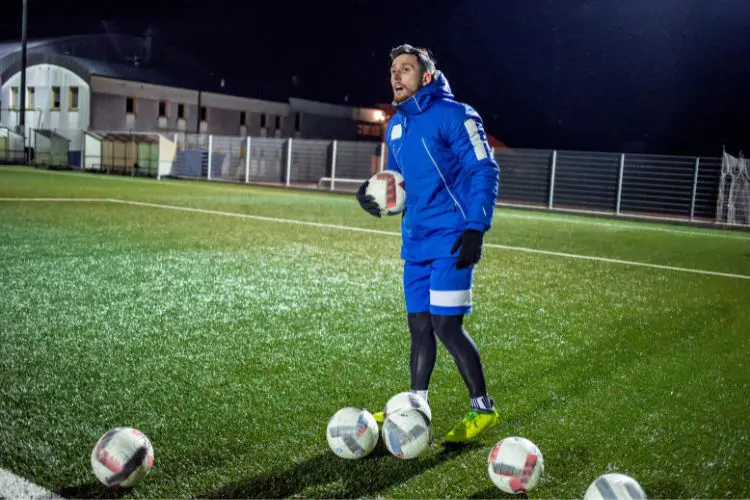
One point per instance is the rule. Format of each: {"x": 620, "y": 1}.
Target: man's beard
{"x": 405, "y": 97}
{"x": 399, "y": 100}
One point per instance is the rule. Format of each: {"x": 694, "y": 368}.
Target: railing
{"x": 637, "y": 185}
{"x": 611, "y": 183}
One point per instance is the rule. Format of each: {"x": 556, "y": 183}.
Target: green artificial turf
{"x": 231, "y": 340}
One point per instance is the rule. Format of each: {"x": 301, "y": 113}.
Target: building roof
{"x": 146, "y": 60}
{"x": 125, "y": 72}
{"x": 50, "y": 134}
{"x": 137, "y": 59}
{"x": 11, "y": 47}
{"x": 117, "y": 56}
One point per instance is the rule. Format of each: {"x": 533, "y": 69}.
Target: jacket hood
{"x": 439, "y": 88}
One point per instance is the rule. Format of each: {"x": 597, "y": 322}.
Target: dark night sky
{"x": 609, "y": 75}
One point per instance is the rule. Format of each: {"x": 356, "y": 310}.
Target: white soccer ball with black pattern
{"x": 387, "y": 188}
{"x": 404, "y": 401}
{"x": 614, "y": 486}
{"x": 352, "y": 433}
{"x": 515, "y": 465}
{"x": 407, "y": 433}
{"x": 122, "y": 457}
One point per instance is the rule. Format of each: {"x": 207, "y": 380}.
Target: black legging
{"x": 449, "y": 329}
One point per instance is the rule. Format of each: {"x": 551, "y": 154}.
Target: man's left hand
{"x": 470, "y": 243}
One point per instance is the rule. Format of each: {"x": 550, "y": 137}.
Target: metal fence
{"x": 611, "y": 183}
{"x": 332, "y": 165}
{"x": 638, "y": 185}
{"x": 11, "y": 147}
{"x": 44, "y": 147}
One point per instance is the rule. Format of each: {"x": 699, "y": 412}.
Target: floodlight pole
{"x": 22, "y": 117}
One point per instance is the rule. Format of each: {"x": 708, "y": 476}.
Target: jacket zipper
{"x": 445, "y": 183}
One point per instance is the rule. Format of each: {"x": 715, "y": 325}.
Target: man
{"x": 451, "y": 182}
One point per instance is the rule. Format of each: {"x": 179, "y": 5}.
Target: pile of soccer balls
{"x": 407, "y": 429}
{"x": 515, "y": 464}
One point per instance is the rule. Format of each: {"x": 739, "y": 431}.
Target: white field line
{"x": 553, "y": 216}
{"x": 392, "y": 233}
{"x": 560, "y": 218}
{"x": 618, "y": 261}
{"x": 53, "y": 200}
{"x": 12, "y": 486}
{"x": 558, "y": 215}
{"x": 258, "y": 217}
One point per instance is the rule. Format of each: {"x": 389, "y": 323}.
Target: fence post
{"x": 333, "y": 164}
{"x": 619, "y": 182}
{"x": 382, "y": 156}
{"x": 695, "y": 188}
{"x": 247, "y": 161}
{"x": 553, "y": 168}
{"x": 210, "y": 151}
{"x": 83, "y": 151}
{"x": 132, "y": 170}
{"x": 288, "y": 162}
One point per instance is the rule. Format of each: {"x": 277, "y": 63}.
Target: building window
{"x": 30, "y": 98}
{"x": 297, "y": 117}
{"x": 277, "y": 122}
{"x": 204, "y": 113}
{"x": 73, "y": 99}
{"x": 14, "y": 104}
{"x": 162, "y": 109}
{"x": 130, "y": 105}
{"x": 262, "y": 120}
{"x": 243, "y": 118}
{"x": 181, "y": 111}
{"x": 56, "y": 98}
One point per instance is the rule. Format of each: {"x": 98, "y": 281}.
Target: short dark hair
{"x": 424, "y": 56}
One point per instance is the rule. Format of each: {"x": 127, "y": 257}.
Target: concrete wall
{"x": 41, "y": 113}
{"x": 103, "y": 106}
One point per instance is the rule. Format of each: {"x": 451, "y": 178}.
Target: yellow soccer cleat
{"x": 472, "y": 425}
{"x": 378, "y": 415}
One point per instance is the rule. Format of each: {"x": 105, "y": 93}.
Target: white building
{"x": 121, "y": 83}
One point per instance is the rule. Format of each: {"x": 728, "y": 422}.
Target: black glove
{"x": 470, "y": 243}
{"x": 367, "y": 201}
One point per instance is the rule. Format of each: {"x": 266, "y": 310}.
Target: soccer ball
{"x": 515, "y": 465}
{"x": 406, "y": 400}
{"x": 614, "y": 486}
{"x": 407, "y": 433}
{"x": 387, "y": 188}
{"x": 122, "y": 457}
{"x": 352, "y": 433}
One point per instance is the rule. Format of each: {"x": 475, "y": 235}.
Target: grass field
{"x": 230, "y": 340}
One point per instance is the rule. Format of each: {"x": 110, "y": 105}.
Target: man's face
{"x": 407, "y": 77}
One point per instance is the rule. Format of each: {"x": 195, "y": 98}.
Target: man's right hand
{"x": 366, "y": 201}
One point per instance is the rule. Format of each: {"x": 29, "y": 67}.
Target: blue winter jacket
{"x": 450, "y": 177}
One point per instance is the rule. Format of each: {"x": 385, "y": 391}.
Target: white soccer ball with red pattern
{"x": 614, "y": 486}
{"x": 352, "y": 433}
{"x": 515, "y": 465}
{"x": 404, "y": 401}
{"x": 407, "y": 433}
{"x": 122, "y": 457}
{"x": 387, "y": 188}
